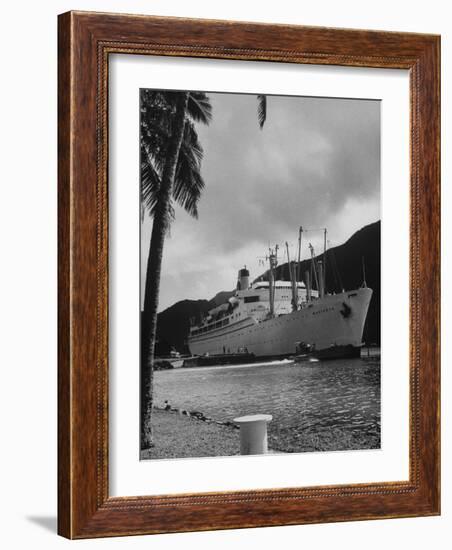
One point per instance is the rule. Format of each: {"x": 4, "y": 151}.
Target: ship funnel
{"x": 243, "y": 282}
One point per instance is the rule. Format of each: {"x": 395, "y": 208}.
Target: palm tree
{"x": 170, "y": 170}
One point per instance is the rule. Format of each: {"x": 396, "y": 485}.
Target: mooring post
{"x": 253, "y": 433}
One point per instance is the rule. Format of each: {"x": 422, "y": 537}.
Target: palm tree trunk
{"x": 153, "y": 271}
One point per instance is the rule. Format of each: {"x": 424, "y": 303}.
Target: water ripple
{"x": 332, "y": 405}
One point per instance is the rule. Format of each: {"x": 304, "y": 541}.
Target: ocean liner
{"x": 278, "y": 318}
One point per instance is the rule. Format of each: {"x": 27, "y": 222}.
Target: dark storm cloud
{"x": 310, "y": 158}
{"x": 315, "y": 163}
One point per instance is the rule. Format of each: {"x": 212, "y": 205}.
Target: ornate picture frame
{"x": 86, "y": 40}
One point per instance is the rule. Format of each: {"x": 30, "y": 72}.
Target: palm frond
{"x": 261, "y": 109}
{"x": 150, "y": 186}
{"x": 157, "y": 119}
{"x": 199, "y": 108}
{"x": 190, "y": 143}
{"x": 188, "y": 186}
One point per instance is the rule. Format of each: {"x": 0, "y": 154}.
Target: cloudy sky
{"x": 316, "y": 163}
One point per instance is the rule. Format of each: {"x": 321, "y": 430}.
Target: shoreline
{"x": 182, "y": 434}
{"x": 368, "y": 353}
{"x": 178, "y": 435}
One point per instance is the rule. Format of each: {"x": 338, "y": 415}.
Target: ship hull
{"x": 338, "y": 352}
{"x": 332, "y": 325}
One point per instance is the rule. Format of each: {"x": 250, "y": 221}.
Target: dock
{"x": 220, "y": 359}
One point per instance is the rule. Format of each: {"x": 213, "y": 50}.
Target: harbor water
{"x": 316, "y": 406}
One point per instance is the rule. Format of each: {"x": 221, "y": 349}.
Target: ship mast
{"x": 300, "y": 233}
{"x": 293, "y": 282}
{"x": 364, "y": 285}
{"x": 324, "y": 259}
{"x": 314, "y": 267}
{"x": 273, "y": 260}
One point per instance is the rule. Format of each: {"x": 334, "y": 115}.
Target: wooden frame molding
{"x": 85, "y": 42}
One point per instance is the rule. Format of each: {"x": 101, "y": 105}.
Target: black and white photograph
{"x": 260, "y": 274}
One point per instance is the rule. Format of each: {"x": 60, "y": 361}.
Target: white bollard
{"x": 253, "y": 433}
